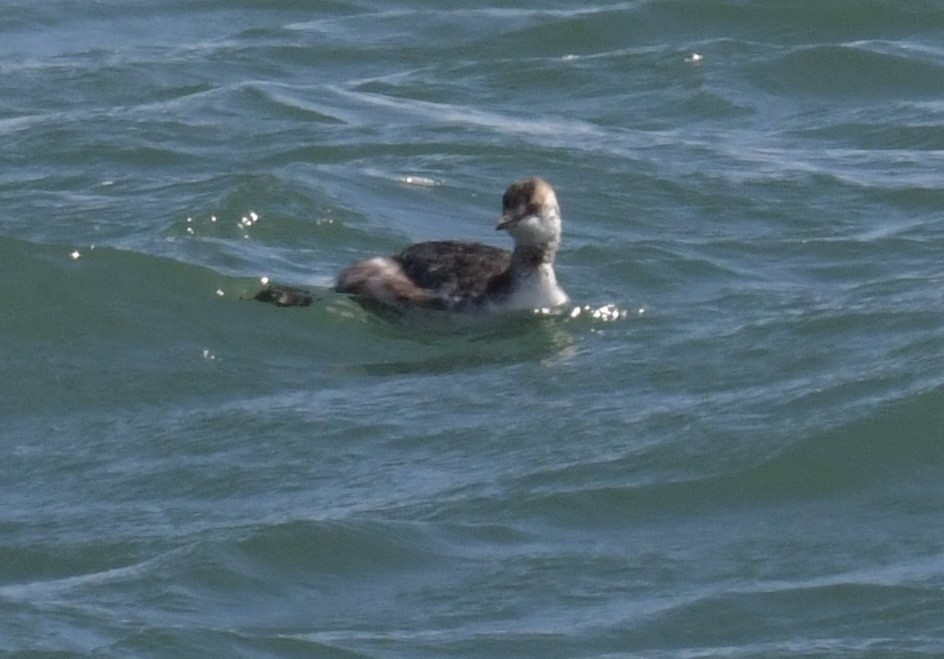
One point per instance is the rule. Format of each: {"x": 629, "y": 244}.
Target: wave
{"x": 851, "y": 72}
{"x": 104, "y": 301}
{"x": 892, "y": 445}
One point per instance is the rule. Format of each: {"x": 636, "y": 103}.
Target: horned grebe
{"x": 458, "y": 275}
{"x": 464, "y": 275}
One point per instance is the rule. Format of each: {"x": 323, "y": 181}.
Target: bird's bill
{"x": 505, "y": 221}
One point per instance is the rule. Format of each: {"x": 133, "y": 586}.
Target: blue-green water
{"x": 735, "y": 449}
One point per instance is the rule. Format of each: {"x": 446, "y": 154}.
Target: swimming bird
{"x": 458, "y": 275}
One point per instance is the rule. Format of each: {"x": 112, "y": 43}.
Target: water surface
{"x": 734, "y": 449}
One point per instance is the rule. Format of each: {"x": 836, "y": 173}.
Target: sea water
{"x": 731, "y": 443}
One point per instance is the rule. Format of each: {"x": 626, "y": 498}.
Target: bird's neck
{"x": 533, "y": 284}
{"x": 532, "y": 257}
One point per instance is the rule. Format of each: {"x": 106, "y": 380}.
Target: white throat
{"x": 538, "y": 229}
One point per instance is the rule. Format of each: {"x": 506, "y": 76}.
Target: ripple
{"x": 850, "y": 72}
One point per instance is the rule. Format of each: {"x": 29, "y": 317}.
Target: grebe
{"x": 455, "y": 275}
{"x": 448, "y": 274}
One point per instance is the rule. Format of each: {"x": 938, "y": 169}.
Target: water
{"x": 734, "y": 449}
